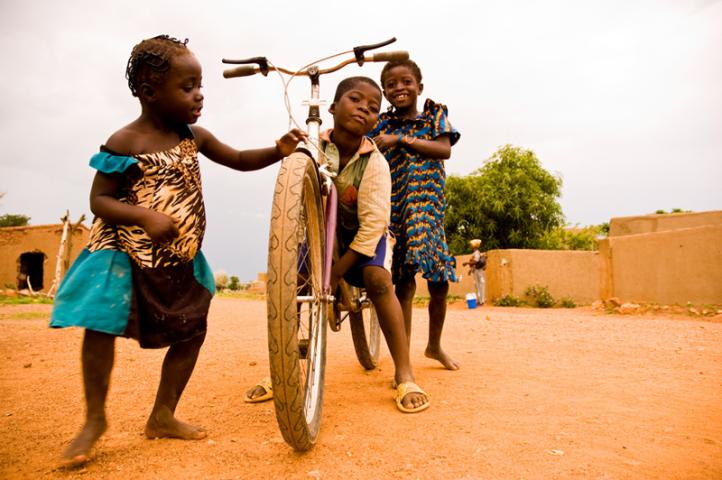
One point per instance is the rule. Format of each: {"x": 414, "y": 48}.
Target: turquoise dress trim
{"x": 203, "y": 273}
{"x": 108, "y": 163}
{"x": 96, "y": 292}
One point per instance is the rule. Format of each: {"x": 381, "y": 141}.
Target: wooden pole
{"x": 59, "y": 260}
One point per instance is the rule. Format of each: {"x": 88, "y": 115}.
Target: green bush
{"x": 234, "y": 284}
{"x": 567, "y": 302}
{"x": 14, "y": 220}
{"x": 22, "y": 299}
{"x": 508, "y": 301}
{"x": 540, "y": 296}
{"x": 573, "y": 238}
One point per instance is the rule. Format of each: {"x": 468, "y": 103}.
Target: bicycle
{"x": 300, "y": 254}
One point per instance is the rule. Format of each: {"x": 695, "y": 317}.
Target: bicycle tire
{"x": 295, "y": 256}
{"x": 366, "y": 333}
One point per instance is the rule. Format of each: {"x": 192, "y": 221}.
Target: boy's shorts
{"x": 382, "y": 258}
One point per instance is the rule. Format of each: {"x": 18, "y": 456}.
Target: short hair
{"x": 350, "y": 82}
{"x": 149, "y": 61}
{"x": 408, "y": 63}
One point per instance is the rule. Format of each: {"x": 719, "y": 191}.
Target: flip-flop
{"x": 404, "y": 389}
{"x": 267, "y": 387}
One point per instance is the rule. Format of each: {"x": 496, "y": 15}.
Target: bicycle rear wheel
{"x": 365, "y": 331}
{"x": 296, "y": 309}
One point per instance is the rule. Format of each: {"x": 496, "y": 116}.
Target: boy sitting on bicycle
{"x": 363, "y": 182}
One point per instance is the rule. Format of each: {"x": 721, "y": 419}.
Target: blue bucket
{"x": 471, "y": 300}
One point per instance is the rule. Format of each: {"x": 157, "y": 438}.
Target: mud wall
{"x": 43, "y": 239}
{"x": 573, "y": 274}
{"x": 620, "y": 226}
{"x": 666, "y": 267}
{"x": 664, "y": 259}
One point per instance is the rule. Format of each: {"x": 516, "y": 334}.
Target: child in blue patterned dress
{"x": 143, "y": 274}
{"x": 416, "y": 145}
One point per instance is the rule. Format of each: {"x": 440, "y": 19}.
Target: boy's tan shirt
{"x": 374, "y": 193}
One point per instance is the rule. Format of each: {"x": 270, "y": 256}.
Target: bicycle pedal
{"x": 303, "y": 348}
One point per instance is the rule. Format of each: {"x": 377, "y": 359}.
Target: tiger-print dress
{"x": 125, "y": 284}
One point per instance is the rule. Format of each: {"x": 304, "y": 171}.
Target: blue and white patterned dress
{"x": 418, "y": 202}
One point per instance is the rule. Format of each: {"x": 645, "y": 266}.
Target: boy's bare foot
{"x": 167, "y": 426}
{"x": 448, "y": 362}
{"x": 78, "y": 452}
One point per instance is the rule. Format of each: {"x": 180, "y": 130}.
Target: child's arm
{"x": 103, "y": 203}
{"x": 343, "y": 265}
{"x": 374, "y": 210}
{"x": 246, "y": 160}
{"x": 438, "y": 148}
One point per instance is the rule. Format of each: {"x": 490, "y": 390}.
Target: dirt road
{"x": 542, "y": 394}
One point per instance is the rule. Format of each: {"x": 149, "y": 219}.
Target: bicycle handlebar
{"x": 389, "y": 56}
{"x": 244, "y": 71}
{"x": 359, "y": 57}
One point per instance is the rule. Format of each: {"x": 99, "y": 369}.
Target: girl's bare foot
{"x": 448, "y": 362}
{"x": 165, "y": 425}
{"x": 78, "y": 452}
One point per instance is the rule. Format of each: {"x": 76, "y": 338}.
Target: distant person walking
{"x": 477, "y": 265}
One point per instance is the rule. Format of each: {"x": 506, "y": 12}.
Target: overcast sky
{"x": 621, "y": 98}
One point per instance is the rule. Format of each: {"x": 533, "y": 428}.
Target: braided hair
{"x": 150, "y": 60}
{"x": 408, "y": 63}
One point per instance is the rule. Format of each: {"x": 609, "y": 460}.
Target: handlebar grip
{"x": 243, "y": 71}
{"x": 388, "y": 56}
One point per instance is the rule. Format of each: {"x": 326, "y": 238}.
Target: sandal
{"x": 404, "y": 389}
{"x": 267, "y": 387}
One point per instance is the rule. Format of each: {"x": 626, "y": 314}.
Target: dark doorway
{"x": 31, "y": 267}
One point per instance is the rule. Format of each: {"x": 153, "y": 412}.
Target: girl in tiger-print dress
{"x": 143, "y": 274}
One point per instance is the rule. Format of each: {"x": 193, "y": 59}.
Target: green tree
{"x": 574, "y": 238}
{"x": 12, "y": 220}
{"x": 510, "y": 202}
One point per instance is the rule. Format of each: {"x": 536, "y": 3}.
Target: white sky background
{"x": 623, "y": 99}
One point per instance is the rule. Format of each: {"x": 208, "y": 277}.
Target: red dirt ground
{"x": 542, "y": 394}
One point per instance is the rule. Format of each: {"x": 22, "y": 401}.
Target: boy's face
{"x": 357, "y": 111}
{"x": 179, "y": 97}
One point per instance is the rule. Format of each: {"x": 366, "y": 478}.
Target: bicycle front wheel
{"x": 365, "y": 331}
{"x": 296, "y": 308}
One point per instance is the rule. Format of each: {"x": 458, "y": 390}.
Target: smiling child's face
{"x": 357, "y": 110}
{"x": 401, "y": 88}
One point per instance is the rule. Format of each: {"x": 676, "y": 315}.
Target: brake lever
{"x": 358, "y": 52}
